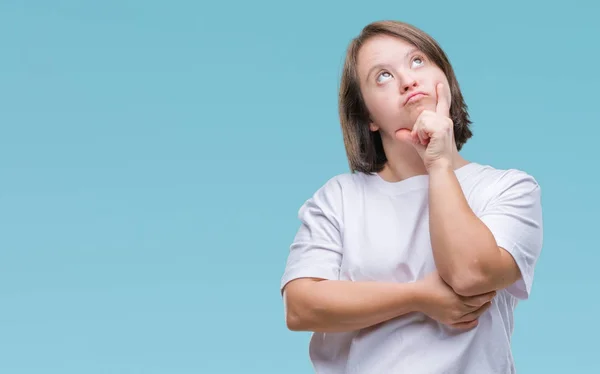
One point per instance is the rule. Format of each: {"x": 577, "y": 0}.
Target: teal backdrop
{"x": 153, "y": 157}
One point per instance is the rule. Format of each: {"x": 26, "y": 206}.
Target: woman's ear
{"x": 372, "y": 126}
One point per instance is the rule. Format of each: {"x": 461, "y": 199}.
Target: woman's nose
{"x": 407, "y": 81}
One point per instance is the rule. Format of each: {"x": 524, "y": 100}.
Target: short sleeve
{"x": 514, "y": 216}
{"x": 316, "y": 251}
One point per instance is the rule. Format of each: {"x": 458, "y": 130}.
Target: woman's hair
{"x": 364, "y": 148}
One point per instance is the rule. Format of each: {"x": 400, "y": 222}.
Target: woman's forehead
{"x": 383, "y": 49}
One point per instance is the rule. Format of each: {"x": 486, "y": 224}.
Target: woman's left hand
{"x": 433, "y": 133}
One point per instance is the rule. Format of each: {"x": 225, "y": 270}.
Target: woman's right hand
{"x": 440, "y": 302}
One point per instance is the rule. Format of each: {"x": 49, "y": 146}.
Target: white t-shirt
{"x": 360, "y": 227}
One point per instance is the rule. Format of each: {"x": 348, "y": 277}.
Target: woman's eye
{"x": 382, "y": 76}
{"x": 417, "y": 61}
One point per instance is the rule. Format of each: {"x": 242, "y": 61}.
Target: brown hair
{"x": 364, "y": 148}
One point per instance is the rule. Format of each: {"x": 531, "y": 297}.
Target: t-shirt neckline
{"x": 416, "y": 182}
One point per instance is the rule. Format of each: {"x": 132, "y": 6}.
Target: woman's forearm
{"x": 338, "y": 306}
{"x": 463, "y": 247}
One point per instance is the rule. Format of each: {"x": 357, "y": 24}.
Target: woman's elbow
{"x": 468, "y": 283}
{"x": 468, "y": 288}
{"x": 483, "y": 277}
{"x": 299, "y": 315}
{"x": 295, "y": 322}
{"x": 302, "y": 318}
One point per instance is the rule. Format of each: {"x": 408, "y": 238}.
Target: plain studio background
{"x": 154, "y": 155}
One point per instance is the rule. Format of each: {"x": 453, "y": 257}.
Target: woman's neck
{"x": 404, "y": 162}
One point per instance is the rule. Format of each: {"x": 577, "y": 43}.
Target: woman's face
{"x": 397, "y": 82}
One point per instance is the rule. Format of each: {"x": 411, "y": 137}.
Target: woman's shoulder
{"x": 495, "y": 177}
{"x": 337, "y": 189}
{"x": 486, "y": 183}
{"x": 344, "y": 183}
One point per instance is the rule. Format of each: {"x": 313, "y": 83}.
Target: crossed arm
{"x": 468, "y": 249}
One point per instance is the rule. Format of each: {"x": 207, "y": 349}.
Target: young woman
{"x": 415, "y": 260}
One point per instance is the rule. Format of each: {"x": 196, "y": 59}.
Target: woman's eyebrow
{"x": 413, "y": 50}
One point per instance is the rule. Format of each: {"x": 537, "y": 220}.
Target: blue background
{"x": 154, "y": 155}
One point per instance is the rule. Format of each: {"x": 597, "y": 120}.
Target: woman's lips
{"x": 414, "y": 97}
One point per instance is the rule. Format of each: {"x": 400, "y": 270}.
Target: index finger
{"x": 443, "y": 100}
